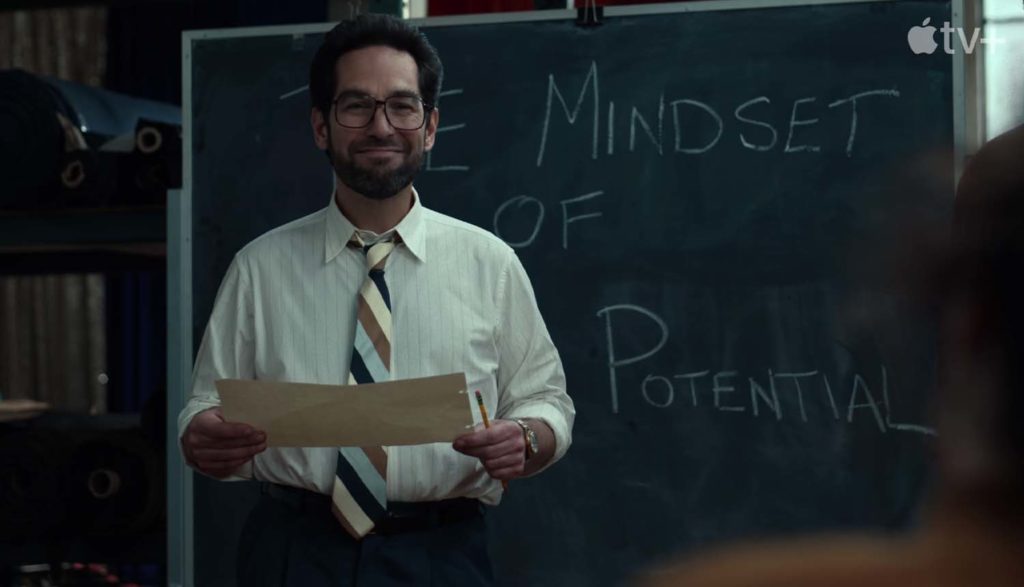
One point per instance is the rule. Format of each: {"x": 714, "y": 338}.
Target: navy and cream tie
{"x": 359, "y": 496}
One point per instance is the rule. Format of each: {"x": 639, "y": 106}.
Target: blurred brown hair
{"x": 979, "y": 284}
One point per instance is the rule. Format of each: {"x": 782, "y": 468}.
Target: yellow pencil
{"x": 487, "y": 423}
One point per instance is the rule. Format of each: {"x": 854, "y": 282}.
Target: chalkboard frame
{"x": 180, "y": 528}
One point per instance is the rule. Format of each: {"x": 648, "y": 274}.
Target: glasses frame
{"x": 377, "y": 104}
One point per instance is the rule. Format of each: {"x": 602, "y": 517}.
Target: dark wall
{"x": 144, "y": 40}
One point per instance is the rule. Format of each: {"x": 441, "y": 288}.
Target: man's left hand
{"x": 501, "y": 448}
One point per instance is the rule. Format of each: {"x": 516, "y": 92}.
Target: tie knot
{"x": 377, "y": 253}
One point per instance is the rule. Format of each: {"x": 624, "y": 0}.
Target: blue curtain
{"x": 137, "y": 338}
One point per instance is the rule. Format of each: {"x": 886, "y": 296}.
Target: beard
{"x": 376, "y": 182}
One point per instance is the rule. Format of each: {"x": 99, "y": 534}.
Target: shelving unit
{"x": 82, "y": 240}
{"x": 145, "y": 548}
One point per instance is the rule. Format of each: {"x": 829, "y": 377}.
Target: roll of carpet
{"x": 116, "y": 485}
{"x": 61, "y": 145}
{"x": 33, "y": 483}
{"x": 109, "y": 114}
{"x": 31, "y": 141}
{"x": 88, "y": 178}
{"x": 158, "y": 149}
{"x": 152, "y": 167}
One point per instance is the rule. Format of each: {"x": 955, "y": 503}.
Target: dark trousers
{"x": 291, "y": 539}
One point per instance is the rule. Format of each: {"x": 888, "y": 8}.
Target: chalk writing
{"x": 649, "y": 124}
{"x": 429, "y": 163}
{"x": 499, "y": 221}
{"x": 554, "y": 92}
{"x": 757, "y": 394}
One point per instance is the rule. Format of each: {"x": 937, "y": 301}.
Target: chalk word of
{"x": 538, "y": 210}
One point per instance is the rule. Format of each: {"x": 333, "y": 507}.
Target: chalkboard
{"x": 686, "y": 189}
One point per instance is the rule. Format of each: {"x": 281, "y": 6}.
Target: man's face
{"x": 376, "y": 161}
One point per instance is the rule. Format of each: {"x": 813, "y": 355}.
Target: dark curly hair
{"x": 985, "y": 267}
{"x": 368, "y": 30}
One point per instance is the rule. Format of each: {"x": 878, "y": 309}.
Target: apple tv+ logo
{"x": 922, "y": 38}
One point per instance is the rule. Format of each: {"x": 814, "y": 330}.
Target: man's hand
{"x": 217, "y": 448}
{"x": 501, "y": 448}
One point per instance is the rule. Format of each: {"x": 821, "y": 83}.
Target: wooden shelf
{"x": 83, "y": 259}
{"x": 141, "y": 548}
{"x": 75, "y": 227}
{"x": 41, "y": 4}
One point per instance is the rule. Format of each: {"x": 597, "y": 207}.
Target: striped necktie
{"x": 359, "y": 495}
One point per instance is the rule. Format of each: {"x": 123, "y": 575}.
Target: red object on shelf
{"x": 450, "y": 7}
{"x": 583, "y": 3}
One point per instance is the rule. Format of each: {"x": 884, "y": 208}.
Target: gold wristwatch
{"x": 530, "y": 437}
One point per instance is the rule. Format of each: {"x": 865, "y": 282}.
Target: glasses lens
{"x": 404, "y": 113}
{"x": 355, "y": 112}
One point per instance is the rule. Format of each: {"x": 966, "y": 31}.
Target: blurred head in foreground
{"x": 973, "y": 529}
{"x": 979, "y": 289}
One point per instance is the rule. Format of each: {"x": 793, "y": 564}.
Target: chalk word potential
{"x": 762, "y": 399}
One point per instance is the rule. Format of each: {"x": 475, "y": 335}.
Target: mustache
{"x": 378, "y": 144}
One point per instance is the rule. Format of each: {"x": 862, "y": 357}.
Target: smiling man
{"x": 373, "y": 287}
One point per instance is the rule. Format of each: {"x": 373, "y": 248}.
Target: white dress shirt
{"x": 461, "y": 302}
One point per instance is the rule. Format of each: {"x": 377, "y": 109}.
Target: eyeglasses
{"x": 401, "y": 112}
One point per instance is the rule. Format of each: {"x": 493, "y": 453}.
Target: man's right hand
{"x": 217, "y": 448}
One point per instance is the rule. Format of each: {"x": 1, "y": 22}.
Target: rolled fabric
{"x": 158, "y": 146}
{"x": 31, "y": 141}
{"x": 116, "y": 484}
{"x": 154, "y": 165}
{"x": 52, "y": 136}
{"x": 33, "y": 489}
{"x": 88, "y": 178}
{"x": 110, "y": 114}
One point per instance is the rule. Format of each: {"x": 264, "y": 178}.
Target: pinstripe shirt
{"x": 461, "y": 302}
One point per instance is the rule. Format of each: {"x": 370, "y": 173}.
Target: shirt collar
{"x": 339, "y": 230}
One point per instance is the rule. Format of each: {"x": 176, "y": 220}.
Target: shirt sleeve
{"x": 531, "y": 380}
{"x": 226, "y": 351}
